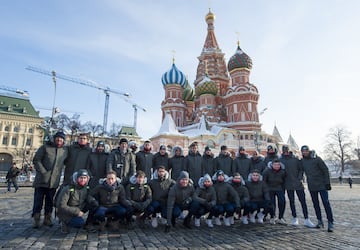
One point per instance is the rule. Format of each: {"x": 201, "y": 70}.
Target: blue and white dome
{"x": 174, "y": 76}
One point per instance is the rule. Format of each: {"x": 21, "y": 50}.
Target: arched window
{"x": 7, "y": 129}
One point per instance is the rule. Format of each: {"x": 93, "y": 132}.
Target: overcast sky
{"x": 305, "y": 56}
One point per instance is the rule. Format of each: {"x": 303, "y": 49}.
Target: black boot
{"x": 187, "y": 221}
{"x": 330, "y": 227}
{"x": 320, "y": 224}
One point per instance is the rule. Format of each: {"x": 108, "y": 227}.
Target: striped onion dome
{"x": 206, "y": 86}
{"x": 239, "y": 60}
{"x": 189, "y": 94}
{"x": 174, "y": 76}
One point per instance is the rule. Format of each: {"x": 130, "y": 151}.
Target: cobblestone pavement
{"x": 16, "y": 231}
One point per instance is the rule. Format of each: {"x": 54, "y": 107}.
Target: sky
{"x": 305, "y": 57}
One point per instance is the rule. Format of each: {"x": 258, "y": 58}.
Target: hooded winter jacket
{"x": 258, "y": 164}
{"x": 193, "y": 166}
{"x": 224, "y": 162}
{"x": 205, "y": 195}
{"x": 97, "y": 167}
{"x": 258, "y": 191}
{"x": 110, "y": 195}
{"x": 179, "y": 195}
{"x": 242, "y": 165}
{"x": 176, "y": 163}
{"x": 317, "y": 173}
{"x": 161, "y": 160}
{"x": 294, "y": 172}
{"x": 160, "y": 187}
{"x": 77, "y": 159}
{"x": 208, "y": 164}
{"x": 123, "y": 164}
{"x": 140, "y": 195}
{"x": 144, "y": 162}
{"x": 49, "y": 162}
{"x": 275, "y": 180}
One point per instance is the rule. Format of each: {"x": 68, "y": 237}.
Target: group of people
{"x": 124, "y": 185}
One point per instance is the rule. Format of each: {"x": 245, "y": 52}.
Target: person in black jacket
{"x": 293, "y": 184}
{"x": 318, "y": 180}
{"x": 97, "y": 164}
{"x": 144, "y": 159}
{"x": 176, "y": 162}
{"x": 161, "y": 158}
{"x": 11, "y": 177}
{"x": 208, "y": 162}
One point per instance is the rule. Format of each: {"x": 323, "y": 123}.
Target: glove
{"x": 167, "y": 228}
{"x": 327, "y": 186}
{"x": 187, "y": 201}
{"x": 238, "y": 210}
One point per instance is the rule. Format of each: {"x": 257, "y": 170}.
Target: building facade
{"x": 21, "y": 133}
{"x": 221, "y": 109}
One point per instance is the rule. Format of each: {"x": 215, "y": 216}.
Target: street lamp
{"x": 257, "y": 142}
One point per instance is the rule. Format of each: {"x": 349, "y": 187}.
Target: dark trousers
{"x": 154, "y": 208}
{"x": 179, "y": 208}
{"x": 117, "y": 212}
{"x": 252, "y": 206}
{"x": 199, "y": 210}
{"x": 14, "y": 182}
{"x": 280, "y": 195}
{"x": 226, "y": 209}
{"x": 41, "y": 194}
{"x": 301, "y": 196}
{"x": 326, "y": 203}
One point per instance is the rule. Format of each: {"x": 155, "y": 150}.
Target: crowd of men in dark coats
{"x": 126, "y": 186}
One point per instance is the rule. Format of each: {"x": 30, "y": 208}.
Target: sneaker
{"x": 197, "y": 222}
{"x": 252, "y": 217}
{"x": 154, "y": 222}
{"x": 209, "y": 223}
{"x": 244, "y": 220}
{"x": 281, "y": 221}
{"x": 308, "y": 223}
{"x": 272, "y": 221}
{"x": 231, "y": 218}
{"x": 227, "y": 221}
{"x": 217, "y": 221}
{"x": 260, "y": 217}
{"x": 64, "y": 228}
{"x": 295, "y": 221}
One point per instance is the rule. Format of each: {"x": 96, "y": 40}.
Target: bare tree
{"x": 357, "y": 149}
{"x": 338, "y": 148}
{"x": 114, "y": 130}
{"x": 94, "y": 130}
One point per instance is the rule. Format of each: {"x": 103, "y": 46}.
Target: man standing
{"x": 49, "y": 162}
{"x": 242, "y": 163}
{"x": 11, "y": 177}
{"x": 122, "y": 161}
{"x": 161, "y": 158}
{"x": 78, "y": 157}
{"x": 97, "y": 164}
{"x": 224, "y": 161}
{"x": 193, "y": 163}
{"x": 318, "y": 180}
{"x": 293, "y": 183}
{"x": 144, "y": 160}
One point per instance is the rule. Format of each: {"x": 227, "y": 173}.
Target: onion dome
{"x": 174, "y": 76}
{"x": 206, "y": 86}
{"x": 239, "y": 60}
{"x": 189, "y": 94}
{"x": 210, "y": 15}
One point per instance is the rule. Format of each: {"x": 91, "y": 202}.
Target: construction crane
{"x": 135, "y": 107}
{"x": 87, "y": 83}
{"x": 23, "y": 93}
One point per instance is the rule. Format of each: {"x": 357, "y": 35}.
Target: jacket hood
{"x": 175, "y": 148}
{"x": 250, "y": 180}
{"x": 258, "y": 159}
{"x": 133, "y": 179}
{"x": 269, "y": 165}
{"x": 202, "y": 179}
{"x": 103, "y": 180}
{"x": 217, "y": 173}
{"x": 155, "y": 175}
{"x": 230, "y": 179}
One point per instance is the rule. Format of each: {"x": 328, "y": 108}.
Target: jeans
{"x": 14, "y": 182}
{"x": 281, "y": 202}
{"x": 252, "y": 206}
{"x": 226, "y": 208}
{"x": 116, "y": 211}
{"x": 326, "y": 203}
{"x": 76, "y": 222}
{"x": 301, "y": 196}
{"x": 199, "y": 210}
{"x": 40, "y": 194}
{"x": 156, "y": 207}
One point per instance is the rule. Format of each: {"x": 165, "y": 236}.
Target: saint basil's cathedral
{"x": 221, "y": 109}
